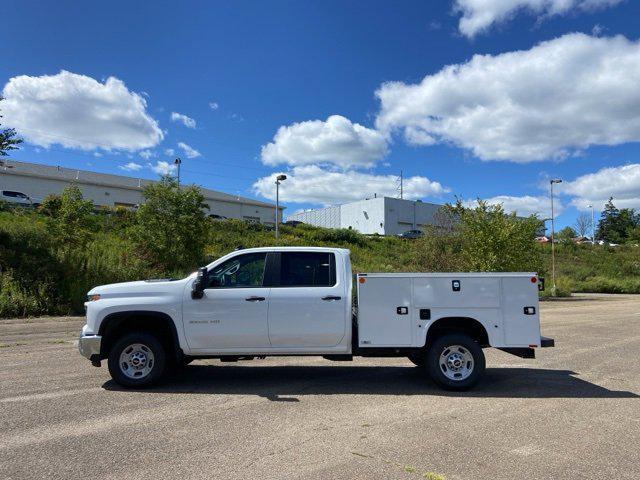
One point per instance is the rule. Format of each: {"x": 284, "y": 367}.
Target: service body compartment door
{"x": 384, "y": 312}
{"x": 520, "y": 311}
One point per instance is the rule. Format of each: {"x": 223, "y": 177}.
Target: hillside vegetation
{"x": 51, "y": 257}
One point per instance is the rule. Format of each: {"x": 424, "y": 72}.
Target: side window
{"x": 307, "y": 269}
{"x": 238, "y": 272}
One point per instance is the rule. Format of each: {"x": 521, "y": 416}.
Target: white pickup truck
{"x": 299, "y": 301}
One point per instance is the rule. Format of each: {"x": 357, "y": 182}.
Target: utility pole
{"x": 177, "y": 162}
{"x": 279, "y": 179}
{"x": 593, "y": 227}
{"x": 553, "y": 246}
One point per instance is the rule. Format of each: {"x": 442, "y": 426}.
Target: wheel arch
{"x": 467, "y": 325}
{"x": 161, "y": 324}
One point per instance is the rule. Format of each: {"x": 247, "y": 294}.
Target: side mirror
{"x": 200, "y": 283}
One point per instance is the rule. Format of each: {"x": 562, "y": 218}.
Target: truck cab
{"x": 300, "y": 301}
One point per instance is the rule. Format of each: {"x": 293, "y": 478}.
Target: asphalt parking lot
{"x": 574, "y": 412}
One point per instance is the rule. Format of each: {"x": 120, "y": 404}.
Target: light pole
{"x": 279, "y": 179}
{"x": 593, "y": 226}
{"x": 553, "y": 246}
{"x": 177, "y": 162}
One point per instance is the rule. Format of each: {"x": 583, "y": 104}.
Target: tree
{"x": 491, "y": 240}
{"x": 8, "y": 139}
{"x": 71, "y": 215}
{"x": 566, "y": 235}
{"x": 583, "y": 225}
{"x": 616, "y": 225}
{"x": 171, "y": 226}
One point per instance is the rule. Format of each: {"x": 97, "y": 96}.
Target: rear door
{"x": 307, "y": 303}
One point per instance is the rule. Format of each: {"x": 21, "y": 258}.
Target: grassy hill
{"x": 42, "y": 275}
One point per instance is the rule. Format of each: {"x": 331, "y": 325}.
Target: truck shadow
{"x": 289, "y": 382}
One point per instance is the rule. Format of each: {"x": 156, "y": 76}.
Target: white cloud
{"x": 214, "y": 105}
{"x": 170, "y": 152}
{"x": 336, "y": 140}
{"x": 313, "y": 184}
{"x": 131, "y": 167}
{"x": 524, "y": 206}
{"x": 478, "y": 16}
{"x": 76, "y": 111}
{"x": 163, "y": 168}
{"x": 621, "y": 183}
{"x": 146, "y": 154}
{"x": 189, "y": 151}
{"x": 554, "y": 100}
{"x": 185, "y": 120}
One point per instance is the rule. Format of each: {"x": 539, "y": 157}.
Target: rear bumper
{"x": 546, "y": 342}
{"x": 89, "y": 346}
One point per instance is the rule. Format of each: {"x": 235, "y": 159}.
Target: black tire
{"x": 418, "y": 360}
{"x": 149, "y": 347}
{"x": 469, "y": 357}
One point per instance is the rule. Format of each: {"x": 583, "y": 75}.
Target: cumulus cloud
{"x": 524, "y": 206}
{"x": 621, "y": 183}
{"x": 76, "y": 111}
{"x": 189, "y": 151}
{"x": 131, "y": 167}
{"x": 163, "y": 168}
{"x": 214, "y": 105}
{"x": 478, "y": 16}
{"x": 337, "y": 141}
{"x": 185, "y": 120}
{"x": 147, "y": 154}
{"x": 313, "y": 184}
{"x": 552, "y": 101}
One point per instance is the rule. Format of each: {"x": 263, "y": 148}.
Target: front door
{"x": 232, "y": 314}
{"x": 307, "y": 304}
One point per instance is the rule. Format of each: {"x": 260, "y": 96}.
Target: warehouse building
{"x": 37, "y": 181}
{"x": 381, "y": 215}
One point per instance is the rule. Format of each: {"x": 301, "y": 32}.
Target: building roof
{"x": 108, "y": 180}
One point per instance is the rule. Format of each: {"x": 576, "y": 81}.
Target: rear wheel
{"x": 137, "y": 360}
{"x": 455, "y": 361}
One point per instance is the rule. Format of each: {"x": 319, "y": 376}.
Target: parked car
{"x": 411, "y": 234}
{"x": 298, "y": 301}
{"x": 11, "y": 196}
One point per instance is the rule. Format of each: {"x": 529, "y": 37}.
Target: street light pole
{"x": 593, "y": 226}
{"x": 553, "y": 246}
{"x": 279, "y": 179}
{"x": 177, "y": 162}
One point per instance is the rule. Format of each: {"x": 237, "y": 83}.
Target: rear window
{"x": 307, "y": 269}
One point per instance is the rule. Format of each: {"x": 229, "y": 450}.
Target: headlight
{"x": 93, "y": 298}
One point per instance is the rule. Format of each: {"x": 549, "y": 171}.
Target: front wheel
{"x": 137, "y": 360}
{"x": 455, "y": 361}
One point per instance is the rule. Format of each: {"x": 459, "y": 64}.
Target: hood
{"x": 139, "y": 288}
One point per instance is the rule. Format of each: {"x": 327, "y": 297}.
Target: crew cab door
{"x": 232, "y": 314}
{"x": 307, "y": 301}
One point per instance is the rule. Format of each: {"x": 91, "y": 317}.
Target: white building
{"x": 105, "y": 190}
{"x": 381, "y": 215}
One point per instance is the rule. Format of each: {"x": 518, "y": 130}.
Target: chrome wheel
{"x": 456, "y": 362}
{"x": 136, "y": 361}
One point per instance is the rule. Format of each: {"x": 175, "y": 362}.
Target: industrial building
{"x": 105, "y": 190}
{"x": 381, "y": 215}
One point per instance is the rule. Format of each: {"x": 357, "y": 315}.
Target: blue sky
{"x": 542, "y": 101}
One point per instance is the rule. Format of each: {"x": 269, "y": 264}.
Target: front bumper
{"x": 89, "y": 346}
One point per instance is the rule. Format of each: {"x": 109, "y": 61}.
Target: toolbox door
{"x": 384, "y": 312}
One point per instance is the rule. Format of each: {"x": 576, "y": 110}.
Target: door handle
{"x": 255, "y": 299}
{"x": 331, "y": 297}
